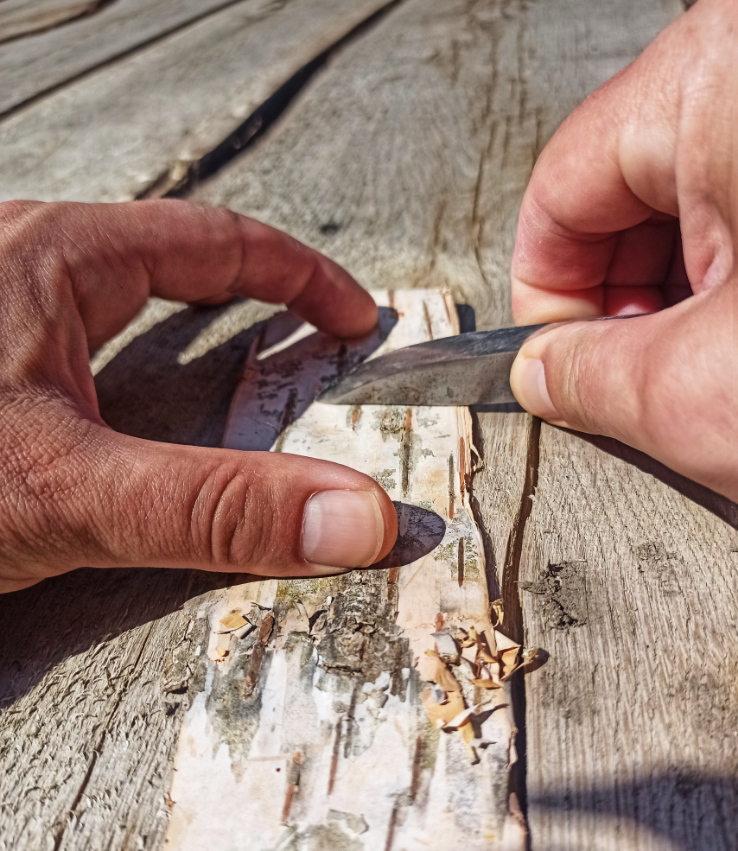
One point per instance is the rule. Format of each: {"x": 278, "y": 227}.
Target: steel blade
{"x": 467, "y": 369}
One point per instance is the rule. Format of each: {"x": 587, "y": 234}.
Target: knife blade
{"x": 466, "y": 369}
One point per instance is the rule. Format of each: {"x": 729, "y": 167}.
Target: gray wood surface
{"x": 612, "y": 762}
{"x": 32, "y": 66}
{"x": 405, "y": 158}
{"x": 21, "y": 17}
{"x": 114, "y": 134}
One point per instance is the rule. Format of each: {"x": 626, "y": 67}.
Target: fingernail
{"x": 342, "y": 529}
{"x": 528, "y": 382}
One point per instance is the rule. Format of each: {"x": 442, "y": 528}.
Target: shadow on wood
{"x": 146, "y": 390}
{"x": 719, "y": 505}
{"x": 687, "y": 808}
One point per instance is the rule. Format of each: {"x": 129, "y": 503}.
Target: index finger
{"x": 117, "y": 255}
{"x": 601, "y": 190}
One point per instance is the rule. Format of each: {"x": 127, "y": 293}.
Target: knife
{"x": 466, "y": 369}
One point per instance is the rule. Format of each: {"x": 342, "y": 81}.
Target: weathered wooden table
{"x": 398, "y": 138}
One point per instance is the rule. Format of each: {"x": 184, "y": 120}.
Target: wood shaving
{"x": 265, "y": 630}
{"x": 440, "y": 714}
{"x": 243, "y": 631}
{"x": 445, "y": 679}
{"x": 446, "y": 646}
{"x": 489, "y": 659}
{"x": 234, "y": 621}
{"x": 503, "y": 642}
{"x": 460, "y": 720}
{"x": 497, "y": 613}
{"x": 509, "y": 661}
{"x": 534, "y": 658}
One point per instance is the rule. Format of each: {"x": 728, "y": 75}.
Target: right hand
{"x": 633, "y": 208}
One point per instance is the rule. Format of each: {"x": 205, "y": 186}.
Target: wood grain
{"x": 155, "y": 112}
{"x": 43, "y": 62}
{"x": 21, "y": 17}
{"x": 633, "y": 591}
{"x": 405, "y": 159}
{"x": 346, "y": 192}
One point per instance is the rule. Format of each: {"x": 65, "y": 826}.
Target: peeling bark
{"x": 313, "y": 734}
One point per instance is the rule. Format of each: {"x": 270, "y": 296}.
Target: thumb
{"x": 162, "y": 505}
{"x": 664, "y": 383}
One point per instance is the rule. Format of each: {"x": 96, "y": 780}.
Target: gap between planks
{"x": 172, "y": 183}
{"x": 120, "y": 56}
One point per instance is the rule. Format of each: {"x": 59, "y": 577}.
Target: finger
{"x": 591, "y": 183}
{"x": 131, "y": 502}
{"x": 663, "y": 383}
{"x": 639, "y": 267}
{"x": 117, "y": 255}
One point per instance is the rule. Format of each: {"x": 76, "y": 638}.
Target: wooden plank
{"x": 631, "y": 725}
{"x": 116, "y": 133}
{"x": 45, "y": 61}
{"x": 170, "y": 377}
{"x": 311, "y": 727}
{"x": 628, "y": 584}
{"x": 515, "y": 74}
{"x": 21, "y": 17}
{"x": 93, "y": 674}
{"x": 373, "y": 185}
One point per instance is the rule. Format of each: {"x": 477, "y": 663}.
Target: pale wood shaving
{"x": 445, "y": 679}
{"x": 461, "y": 719}
{"x": 441, "y": 713}
{"x": 446, "y": 646}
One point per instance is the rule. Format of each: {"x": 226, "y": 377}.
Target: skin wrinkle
{"x": 665, "y": 384}
{"x": 73, "y": 492}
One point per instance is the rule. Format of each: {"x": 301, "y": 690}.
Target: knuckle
{"x": 582, "y": 402}
{"x": 12, "y": 212}
{"x": 231, "y": 526}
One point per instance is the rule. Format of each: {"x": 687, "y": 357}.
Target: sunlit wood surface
{"x": 398, "y": 138}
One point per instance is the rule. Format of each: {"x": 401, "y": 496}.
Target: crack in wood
{"x": 335, "y": 756}
{"x": 72, "y": 811}
{"x": 428, "y": 325}
{"x": 406, "y": 445}
{"x": 511, "y": 567}
{"x": 118, "y": 57}
{"x": 391, "y": 827}
{"x": 513, "y": 609}
{"x": 451, "y": 487}
{"x": 417, "y": 765}
{"x": 58, "y": 21}
{"x": 173, "y": 184}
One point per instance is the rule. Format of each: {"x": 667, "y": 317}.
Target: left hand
{"x": 75, "y": 493}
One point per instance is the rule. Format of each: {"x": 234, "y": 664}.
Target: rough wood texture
{"x": 484, "y": 114}
{"x": 405, "y": 159}
{"x": 311, "y": 731}
{"x": 20, "y": 17}
{"x": 41, "y": 63}
{"x": 632, "y": 725}
{"x": 116, "y": 133}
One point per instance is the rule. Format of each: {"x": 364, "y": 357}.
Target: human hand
{"x": 72, "y": 491}
{"x": 651, "y": 153}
